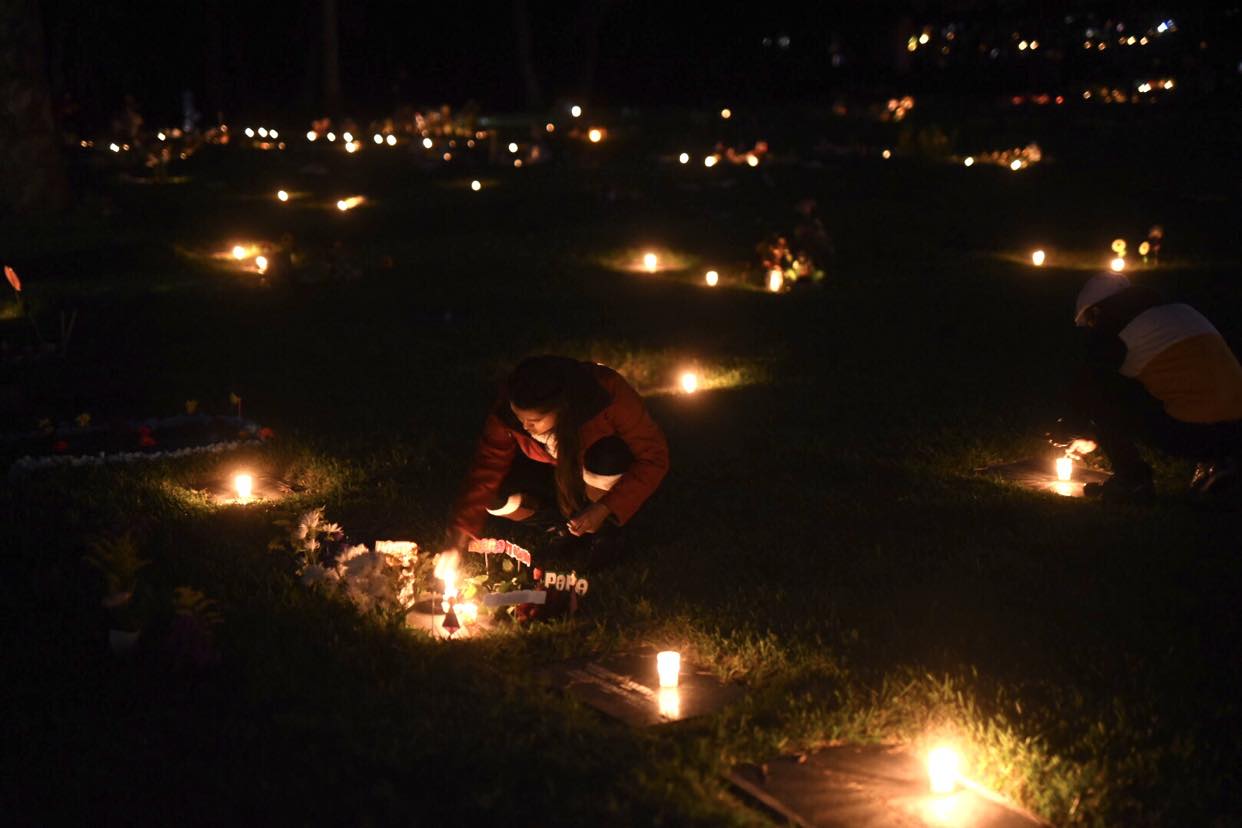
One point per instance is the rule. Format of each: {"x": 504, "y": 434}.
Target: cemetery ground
{"x": 821, "y": 536}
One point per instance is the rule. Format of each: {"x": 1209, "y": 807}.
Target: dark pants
{"x": 1123, "y": 415}
{"x": 536, "y": 481}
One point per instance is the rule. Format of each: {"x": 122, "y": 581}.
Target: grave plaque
{"x": 868, "y": 786}
{"x": 626, "y": 687}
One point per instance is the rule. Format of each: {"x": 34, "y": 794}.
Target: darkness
{"x": 244, "y": 59}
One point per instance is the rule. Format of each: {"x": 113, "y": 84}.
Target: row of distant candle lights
{"x": 1117, "y": 263}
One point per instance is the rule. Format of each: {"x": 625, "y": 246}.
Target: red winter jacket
{"x": 622, "y": 413}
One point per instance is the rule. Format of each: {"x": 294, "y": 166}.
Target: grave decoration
{"x": 430, "y": 592}
{"x": 82, "y": 442}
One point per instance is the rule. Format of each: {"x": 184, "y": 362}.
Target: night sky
{"x": 264, "y": 59}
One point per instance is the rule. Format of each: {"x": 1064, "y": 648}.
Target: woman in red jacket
{"x": 579, "y": 423}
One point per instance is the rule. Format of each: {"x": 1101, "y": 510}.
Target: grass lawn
{"x": 820, "y": 536}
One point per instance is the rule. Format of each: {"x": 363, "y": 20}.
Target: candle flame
{"x": 689, "y": 382}
{"x": 595, "y": 135}
{"x": 239, "y": 252}
{"x": 1037, "y": 258}
{"x": 1118, "y": 264}
{"x": 282, "y": 195}
{"x": 476, "y": 185}
{"x": 349, "y": 203}
{"x": 776, "y": 280}
{"x": 712, "y": 277}
{"x": 651, "y": 262}
{"x": 260, "y": 263}
{"x": 243, "y": 484}
{"x": 942, "y": 769}
{"x": 969, "y": 161}
{"x": 1065, "y": 468}
{"x": 668, "y": 667}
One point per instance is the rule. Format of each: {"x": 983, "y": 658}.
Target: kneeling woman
{"x": 578, "y": 423}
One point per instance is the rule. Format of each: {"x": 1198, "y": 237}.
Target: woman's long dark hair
{"x": 568, "y": 387}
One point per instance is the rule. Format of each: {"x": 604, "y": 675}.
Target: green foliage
{"x": 118, "y": 560}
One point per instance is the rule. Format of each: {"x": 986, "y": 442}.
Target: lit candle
{"x": 651, "y": 262}
{"x": 970, "y": 161}
{"x": 684, "y": 158}
{"x": 260, "y": 263}
{"x": 668, "y": 666}
{"x": 239, "y": 252}
{"x": 710, "y": 161}
{"x": 377, "y": 138}
{"x": 1065, "y": 468}
{"x": 752, "y": 159}
{"x": 776, "y": 280}
{"x": 689, "y": 382}
{"x": 942, "y": 765}
{"x": 282, "y": 195}
{"x": 595, "y": 135}
{"x": 311, "y": 135}
{"x": 575, "y": 110}
{"x": 513, "y": 147}
{"x": 476, "y": 185}
{"x": 428, "y": 143}
{"x": 726, "y": 113}
{"x": 243, "y": 484}
{"x": 1118, "y": 264}
{"x": 668, "y": 702}
{"x": 1037, "y": 258}
{"x": 712, "y": 277}
{"x": 1015, "y": 164}
{"x": 887, "y": 154}
{"x": 391, "y": 140}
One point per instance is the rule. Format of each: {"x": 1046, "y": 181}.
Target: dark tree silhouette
{"x": 32, "y": 173}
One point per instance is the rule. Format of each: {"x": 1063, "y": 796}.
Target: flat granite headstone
{"x": 626, "y": 687}
{"x": 1039, "y": 474}
{"x": 868, "y": 786}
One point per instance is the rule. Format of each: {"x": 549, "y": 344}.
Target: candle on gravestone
{"x": 668, "y": 667}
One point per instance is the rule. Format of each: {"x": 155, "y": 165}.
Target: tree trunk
{"x": 525, "y": 55}
{"x": 331, "y": 58}
{"x": 214, "y": 27}
{"x": 32, "y": 173}
{"x": 590, "y": 21}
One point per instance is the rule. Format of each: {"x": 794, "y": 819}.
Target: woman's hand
{"x": 589, "y": 519}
